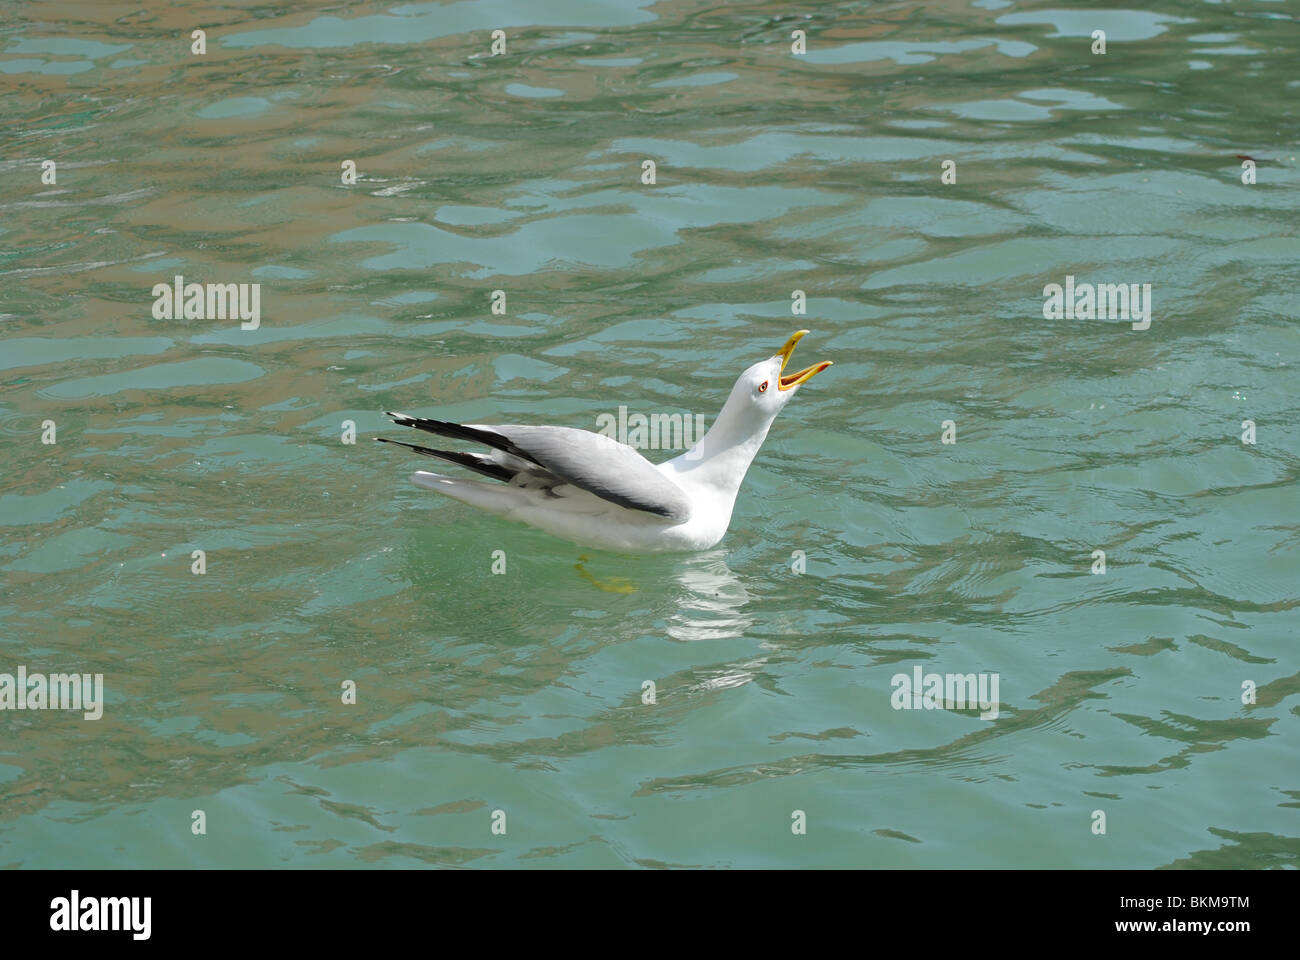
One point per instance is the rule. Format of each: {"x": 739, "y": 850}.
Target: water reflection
{"x": 710, "y": 600}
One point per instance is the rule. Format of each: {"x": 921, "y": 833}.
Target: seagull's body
{"x": 589, "y": 488}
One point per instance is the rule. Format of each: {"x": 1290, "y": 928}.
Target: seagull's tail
{"x": 486, "y": 496}
{"x": 500, "y": 500}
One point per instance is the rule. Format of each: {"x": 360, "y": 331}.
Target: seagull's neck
{"x": 723, "y": 455}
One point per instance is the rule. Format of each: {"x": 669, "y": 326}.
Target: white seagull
{"x": 590, "y": 489}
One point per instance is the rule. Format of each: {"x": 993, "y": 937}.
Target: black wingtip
{"x": 471, "y": 461}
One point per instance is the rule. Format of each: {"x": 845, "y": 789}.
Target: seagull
{"x": 592, "y": 490}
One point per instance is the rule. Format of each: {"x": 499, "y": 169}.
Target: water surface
{"x": 522, "y": 692}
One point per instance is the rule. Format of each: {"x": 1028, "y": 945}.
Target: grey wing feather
{"x": 599, "y": 465}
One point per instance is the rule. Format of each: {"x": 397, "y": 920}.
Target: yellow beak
{"x": 807, "y": 373}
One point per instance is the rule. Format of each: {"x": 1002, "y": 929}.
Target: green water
{"x": 521, "y": 692}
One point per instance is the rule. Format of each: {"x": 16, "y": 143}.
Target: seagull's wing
{"x": 601, "y": 465}
{"x": 593, "y": 462}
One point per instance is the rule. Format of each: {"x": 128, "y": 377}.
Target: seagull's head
{"x": 767, "y": 387}
{"x": 761, "y": 392}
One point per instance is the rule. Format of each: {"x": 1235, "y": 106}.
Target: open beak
{"x": 807, "y": 373}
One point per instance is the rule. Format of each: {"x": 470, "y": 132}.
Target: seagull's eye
{"x": 762, "y": 387}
